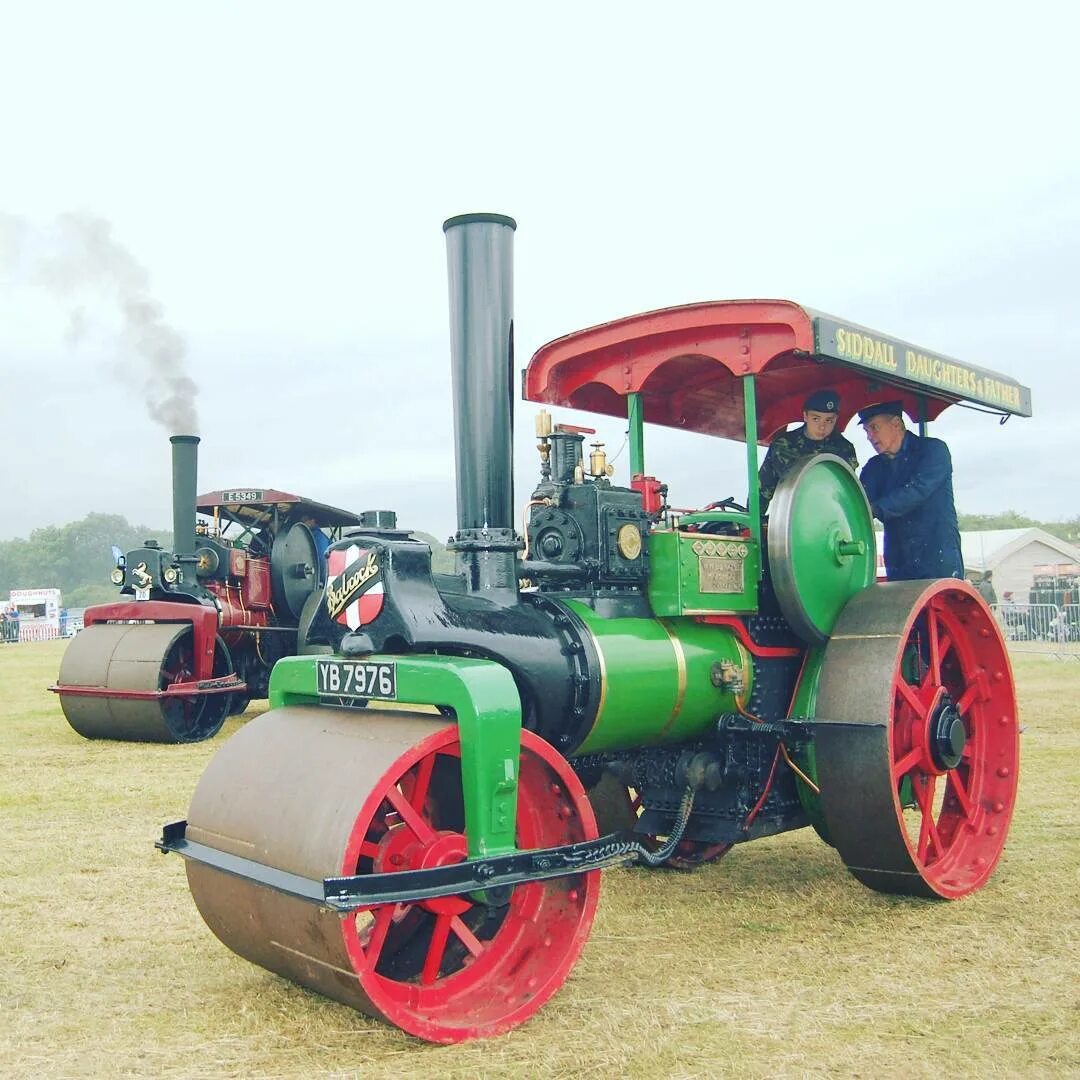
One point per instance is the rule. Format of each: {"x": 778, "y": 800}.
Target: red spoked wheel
{"x": 617, "y": 808}
{"x": 322, "y": 791}
{"x": 451, "y": 968}
{"x": 917, "y": 738}
{"x": 193, "y": 717}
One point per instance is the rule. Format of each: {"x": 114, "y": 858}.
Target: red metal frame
{"x": 203, "y": 619}
{"x": 652, "y": 497}
{"x": 203, "y": 622}
{"x": 224, "y": 684}
{"x": 739, "y": 629}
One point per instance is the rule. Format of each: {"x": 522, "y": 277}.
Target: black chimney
{"x": 185, "y": 469}
{"x": 479, "y": 253}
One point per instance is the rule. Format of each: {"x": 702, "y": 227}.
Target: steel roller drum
{"x": 321, "y": 791}
{"x": 136, "y": 657}
{"x": 822, "y": 549}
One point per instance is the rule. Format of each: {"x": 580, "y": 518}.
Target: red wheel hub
{"x": 400, "y": 849}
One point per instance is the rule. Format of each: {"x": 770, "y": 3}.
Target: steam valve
{"x": 598, "y": 465}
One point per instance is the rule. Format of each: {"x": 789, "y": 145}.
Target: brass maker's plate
{"x": 721, "y": 565}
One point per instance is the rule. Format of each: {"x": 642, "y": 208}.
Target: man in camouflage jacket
{"x": 817, "y": 435}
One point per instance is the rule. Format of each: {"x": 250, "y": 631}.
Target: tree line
{"x": 1068, "y": 530}
{"x": 77, "y": 558}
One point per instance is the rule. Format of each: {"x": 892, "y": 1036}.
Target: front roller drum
{"x": 321, "y": 792}
{"x": 916, "y": 738}
{"x": 143, "y": 657}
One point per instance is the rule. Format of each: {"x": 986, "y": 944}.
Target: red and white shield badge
{"x": 354, "y": 590}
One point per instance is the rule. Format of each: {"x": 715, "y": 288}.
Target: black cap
{"x": 822, "y": 401}
{"x": 882, "y": 408}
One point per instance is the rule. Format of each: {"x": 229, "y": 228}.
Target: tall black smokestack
{"x": 185, "y": 470}
{"x": 479, "y": 255}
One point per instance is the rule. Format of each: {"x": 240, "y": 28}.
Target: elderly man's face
{"x": 819, "y": 425}
{"x": 886, "y": 434}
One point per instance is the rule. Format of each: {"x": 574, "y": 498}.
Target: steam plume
{"x": 78, "y": 259}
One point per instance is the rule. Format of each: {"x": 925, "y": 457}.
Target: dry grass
{"x": 773, "y": 962}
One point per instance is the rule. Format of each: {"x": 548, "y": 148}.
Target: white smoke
{"x": 79, "y": 263}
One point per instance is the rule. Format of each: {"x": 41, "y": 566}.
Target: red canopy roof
{"x": 687, "y": 363}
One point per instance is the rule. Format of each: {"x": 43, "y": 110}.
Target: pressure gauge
{"x": 628, "y": 541}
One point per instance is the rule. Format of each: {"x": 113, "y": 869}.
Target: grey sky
{"x": 281, "y": 173}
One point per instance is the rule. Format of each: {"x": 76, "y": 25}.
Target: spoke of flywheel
{"x": 409, "y": 816}
{"x": 436, "y": 950}
{"x": 423, "y": 782}
{"x": 956, "y": 786}
{"x": 928, "y": 834}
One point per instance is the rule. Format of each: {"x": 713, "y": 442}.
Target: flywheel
{"x": 821, "y": 544}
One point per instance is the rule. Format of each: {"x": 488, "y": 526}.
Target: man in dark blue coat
{"x": 909, "y": 487}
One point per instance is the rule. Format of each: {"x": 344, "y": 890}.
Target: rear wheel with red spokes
{"x": 917, "y": 738}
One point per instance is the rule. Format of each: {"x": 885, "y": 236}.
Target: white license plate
{"x": 356, "y": 679}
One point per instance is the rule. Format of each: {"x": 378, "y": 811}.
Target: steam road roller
{"x": 416, "y": 826}
{"x": 196, "y": 632}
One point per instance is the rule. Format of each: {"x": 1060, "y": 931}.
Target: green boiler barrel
{"x": 661, "y": 680}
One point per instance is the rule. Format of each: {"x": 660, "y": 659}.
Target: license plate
{"x": 341, "y": 679}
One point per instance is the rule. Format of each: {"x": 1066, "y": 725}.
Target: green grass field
{"x": 772, "y": 962}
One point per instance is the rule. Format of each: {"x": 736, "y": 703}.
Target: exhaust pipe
{"x": 185, "y": 469}
{"x": 479, "y": 255}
